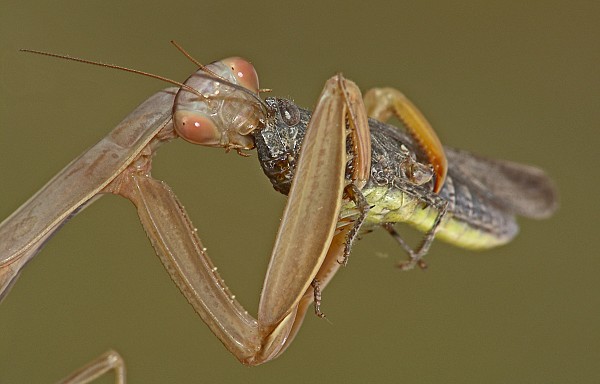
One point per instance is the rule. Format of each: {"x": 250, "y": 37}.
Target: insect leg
{"x": 354, "y": 194}
{"x": 416, "y": 256}
{"x": 382, "y": 102}
{"x": 98, "y": 367}
{"x": 361, "y": 162}
{"x": 316, "y": 286}
{"x": 341, "y": 106}
{"x": 357, "y": 114}
{"x": 324, "y": 157}
{"x": 328, "y": 269}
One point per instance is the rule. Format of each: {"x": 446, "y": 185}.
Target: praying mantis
{"x": 328, "y": 170}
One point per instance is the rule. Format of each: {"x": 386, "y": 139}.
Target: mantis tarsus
{"x": 219, "y": 106}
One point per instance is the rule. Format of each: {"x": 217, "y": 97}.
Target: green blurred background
{"x": 509, "y": 79}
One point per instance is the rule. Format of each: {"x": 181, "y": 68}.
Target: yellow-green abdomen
{"x": 479, "y": 228}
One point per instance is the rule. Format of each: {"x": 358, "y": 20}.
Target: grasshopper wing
{"x": 520, "y": 188}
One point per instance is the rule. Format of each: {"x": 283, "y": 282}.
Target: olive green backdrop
{"x": 508, "y": 79}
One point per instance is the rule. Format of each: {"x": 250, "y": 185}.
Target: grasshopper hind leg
{"x": 381, "y": 103}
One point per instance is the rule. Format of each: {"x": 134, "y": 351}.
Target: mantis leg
{"x": 304, "y": 238}
{"x": 326, "y": 128}
{"x": 328, "y": 269}
{"x": 24, "y": 233}
{"x": 381, "y": 103}
{"x": 110, "y": 360}
{"x": 346, "y": 95}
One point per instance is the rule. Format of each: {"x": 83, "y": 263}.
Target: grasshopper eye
{"x": 420, "y": 173}
{"x": 414, "y": 171}
{"x": 290, "y": 113}
{"x": 244, "y": 72}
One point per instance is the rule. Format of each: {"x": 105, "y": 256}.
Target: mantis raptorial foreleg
{"x": 80, "y": 183}
{"x": 218, "y": 106}
{"x": 302, "y": 252}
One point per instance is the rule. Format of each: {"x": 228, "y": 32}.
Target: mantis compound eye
{"x": 244, "y": 72}
{"x": 197, "y": 128}
{"x": 220, "y": 113}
